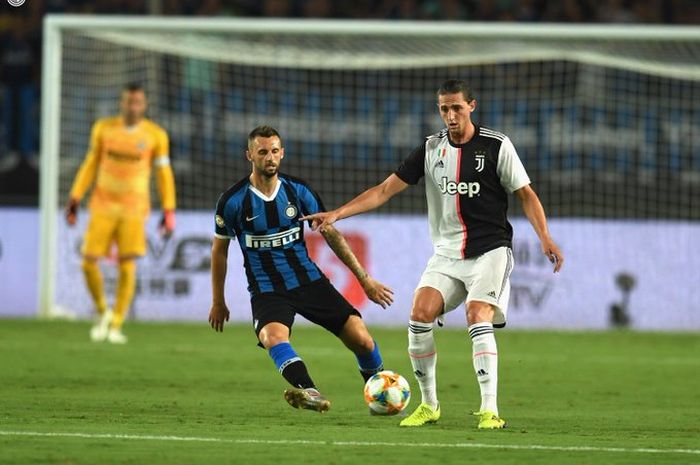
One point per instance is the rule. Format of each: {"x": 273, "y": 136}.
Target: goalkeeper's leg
{"x": 98, "y": 237}
{"x": 126, "y": 284}
{"x": 131, "y": 241}
{"x": 95, "y": 284}
{"x": 93, "y": 279}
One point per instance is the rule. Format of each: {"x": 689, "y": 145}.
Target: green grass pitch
{"x": 181, "y": 394}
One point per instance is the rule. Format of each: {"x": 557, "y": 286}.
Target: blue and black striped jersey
{"x": 269, "y": 232}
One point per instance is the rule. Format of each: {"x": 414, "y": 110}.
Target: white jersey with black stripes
{"x": 467, "y": 187}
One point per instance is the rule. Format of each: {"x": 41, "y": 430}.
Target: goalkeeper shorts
{"x": 127, "y": 232}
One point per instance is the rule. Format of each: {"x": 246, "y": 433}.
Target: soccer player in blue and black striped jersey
{"x": 262, "y": 211}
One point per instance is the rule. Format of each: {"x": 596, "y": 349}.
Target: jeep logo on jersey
{"x": 470, "y": 189}
{"x": 271, "y": 241}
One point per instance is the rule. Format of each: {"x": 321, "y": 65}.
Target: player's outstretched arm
{"x": 218, "y": 312}
{"x": 369, "y": 200}
{"x": 535, "y": 213}
{"x": 376, "y": 291}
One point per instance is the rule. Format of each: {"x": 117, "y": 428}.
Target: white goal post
{"x": 539, "y": 81}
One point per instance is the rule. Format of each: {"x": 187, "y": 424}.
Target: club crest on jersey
{"x": 480, "y": 160}
{"x": 291, "y": 211}
{"x": 219, "y": 221}
{"x": 141, "y": 145}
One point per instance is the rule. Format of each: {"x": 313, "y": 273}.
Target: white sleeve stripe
{"x": 221, "y": 236}
{"x": 163, "y": 160}
{"x": 491, "y": 132}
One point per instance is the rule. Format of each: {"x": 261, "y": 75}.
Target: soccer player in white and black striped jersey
{"x": 469, "y": 171}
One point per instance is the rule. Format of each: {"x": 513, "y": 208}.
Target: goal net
{"x": 605, "y": 119}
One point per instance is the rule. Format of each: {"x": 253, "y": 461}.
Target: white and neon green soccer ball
{"x": 387, "y": 393}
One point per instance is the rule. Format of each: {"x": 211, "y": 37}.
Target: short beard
{"x": 269, "y": 175}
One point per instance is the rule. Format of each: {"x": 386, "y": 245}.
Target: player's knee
{"x": 270, "y": 337}
{"x": 88, "y": 264}
{"x": 363, "y": 345}
{"x": 428, "y": 304}
{"x": 271, "y": 340}
{"x": 423, "y": 314}
{"x": 356, "y": 337}
{"x": 127, "y": 266}
{"x": 478, "y": 312}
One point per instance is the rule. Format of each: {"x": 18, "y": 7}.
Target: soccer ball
{"x": 387, "y": 393}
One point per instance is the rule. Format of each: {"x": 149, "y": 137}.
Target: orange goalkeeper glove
{"x": 71, "y": 211}
{"x": 167, "y": 224}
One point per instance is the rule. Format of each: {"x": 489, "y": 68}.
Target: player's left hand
{"x": 378, "y": 292}
{"x": 167, "y": 224}
{"x": 552, "y": 252}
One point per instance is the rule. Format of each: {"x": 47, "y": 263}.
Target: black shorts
{"x": 319, "y": 302}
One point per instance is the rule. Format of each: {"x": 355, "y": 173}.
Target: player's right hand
{"x": 72, "y": 211}
{"x": 320, "y": 220}
{"x": 217, "y": 315}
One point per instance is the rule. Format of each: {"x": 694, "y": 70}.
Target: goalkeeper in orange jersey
{"x": 123, "y": 150}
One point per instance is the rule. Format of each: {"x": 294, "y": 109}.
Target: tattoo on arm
{"x": 342, "y": 250}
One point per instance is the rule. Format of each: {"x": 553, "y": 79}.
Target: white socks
{"x": 421, "y": 349}
{"x": 485, "y": 358}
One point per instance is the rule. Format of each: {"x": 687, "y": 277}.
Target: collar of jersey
{"x": 263, "y": 196}
{"x": 459, "y": 146}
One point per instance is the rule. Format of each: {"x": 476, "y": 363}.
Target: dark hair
{"x": 263, "y": 131}
{"x": 455, "y": 86}
{"x": 133, "y": 87}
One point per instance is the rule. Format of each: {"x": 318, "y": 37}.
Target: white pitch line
{"x": 444, "y": 445}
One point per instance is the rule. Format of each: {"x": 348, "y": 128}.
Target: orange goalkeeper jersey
{"x": 119, "y": 162}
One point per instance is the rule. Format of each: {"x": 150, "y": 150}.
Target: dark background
{"x": 578, "y": 194}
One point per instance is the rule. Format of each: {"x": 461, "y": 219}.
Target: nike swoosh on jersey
{"x": 251, "y": 218}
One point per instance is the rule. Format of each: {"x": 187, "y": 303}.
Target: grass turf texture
{"x": 600, "y": 390}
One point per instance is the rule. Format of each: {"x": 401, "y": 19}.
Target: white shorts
{"x": 485, "y": 278}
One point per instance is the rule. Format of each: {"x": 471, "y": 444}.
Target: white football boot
{"x": 98, "y": 332}
{"x": 115, "y": 336}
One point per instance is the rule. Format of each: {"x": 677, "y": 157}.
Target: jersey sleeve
{"x": 164, "y": 174}
{"x": 88, "y": 169}
{"x": 310, "y": 200}
{"x": 413, "y": 167}
{"x": 161, "y": 155}
{"x": 222, "y": 229}
{"x": 510, "y": 169}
